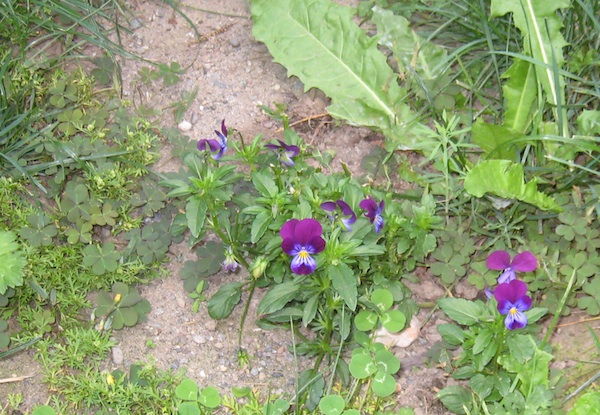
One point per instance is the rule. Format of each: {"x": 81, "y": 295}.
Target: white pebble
{"x": 185, "y": 126}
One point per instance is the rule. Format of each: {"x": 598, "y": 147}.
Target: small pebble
{"x": 117, "y": 355}
{"x": 135, "y": 23}
{"x": 210, "y": 325}
{"x": 199, "y": 339}
{"x": 235, "y": 42}
{"x": 185, "y": 126}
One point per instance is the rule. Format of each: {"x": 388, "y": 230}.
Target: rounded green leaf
{"x": 362, "y": 365}
{"x": 187, "y": 390}
{"x": 332, "y": 405}
{"x": 188, "y": 408}
{"x": 365, "y": 320}
{"x": 386, "y": 361}
{"x": 210, "y": 397}
{"x": 393, "y": 320}
{"x": 383, "y": 384}
{"x": 383, "y": 299}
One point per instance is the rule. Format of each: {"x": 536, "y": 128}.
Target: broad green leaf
{"x": 278, "y": 297}
{"x": 195, "y": 212}
{"x": 318, "y": 41}
{"x": 534, "y": 372}
{"x": 587, "y": 404}
{"x": 456, "y": 398}
{"x": 223, "y": 302}
{"x": 495, "y": 139}
{"x": 345, "y": 283}
{"x": 12, "y": 262}
{"x": 259, "y": 226}
{"x": 264, "y": 184}
{"x": 412, "y": 52}
{"x": 460, "y": 310}
{"x": 520, "y": 93}
{"x": 506, "y": 179}
{"x": 483, "y": 338}
{"x": 540, "y": 26}
{"x": 451, "y": 333}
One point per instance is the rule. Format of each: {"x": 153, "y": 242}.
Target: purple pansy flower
{"x": 513, "y": 301}
{"x": 374, "y": 212}
{"x": 500, "y": 260}
{"x": 348, "y": 217}
{"x": 216, "y": 147}
{"x": 284, "y": 152}
{"x": 301, "y": 239}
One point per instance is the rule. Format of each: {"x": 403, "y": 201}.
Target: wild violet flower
{"x": 347, "y": 216}
{"x": 500, "y": 260}
{"x": 374, "y": 212}
{"x": 230, "y": 264}
{"x": 284, "y": 152}
{"x": 301, "y": 239}
{"x": 513, "y": 301}
{"x": 216, "y": 147}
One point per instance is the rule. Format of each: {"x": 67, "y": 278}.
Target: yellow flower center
{"x": 513, "y": 311}
{"x": 303, "y": 254}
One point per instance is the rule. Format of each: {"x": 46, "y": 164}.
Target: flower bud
{"x": 258, "y": 267}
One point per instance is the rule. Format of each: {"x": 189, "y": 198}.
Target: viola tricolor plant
{"x": 285, "y": 153}
{"x": 217, "y": 147}
{"x": 341, "y": 211}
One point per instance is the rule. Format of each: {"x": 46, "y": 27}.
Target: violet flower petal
{"x": 524, "y": 262}
{"x": 516, "y": 320}
{"x": 498, "y": 260}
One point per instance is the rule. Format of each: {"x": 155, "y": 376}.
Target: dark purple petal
{"x": 345, "y": 208}
{"x": 519, "y": 288}
{"x": 213, "y": 145}
{"x": 370, "y": 206}
{"x": 291, "y": 151}
{"x": 498, "y": 260}
{"x": 318, "y": 244}
{"x": 288, "y": 228}
{"x": 223, "y": 129}
{"x": 273, "y": 147}
{"x": 289, "y": 246}
{"x": 510, "y": 291}
{"x": 515, "y": 320}
{"x": 306, "y": 230}
{"x": 328, "y": 206}
{"x": 524, "y": 262}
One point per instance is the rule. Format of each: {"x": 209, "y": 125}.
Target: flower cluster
{"x": 511, "y": 293}
{"x": 303, "y": 238}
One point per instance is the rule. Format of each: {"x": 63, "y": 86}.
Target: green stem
{"x": 559, "y": 310}
{"x": 245, "y": 312}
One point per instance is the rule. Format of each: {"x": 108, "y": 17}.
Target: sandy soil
{"x": 234, "y": 74}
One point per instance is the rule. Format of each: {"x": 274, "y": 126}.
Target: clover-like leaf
{"x": 101, "y": 258}
{"x": 41, "y": 230}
